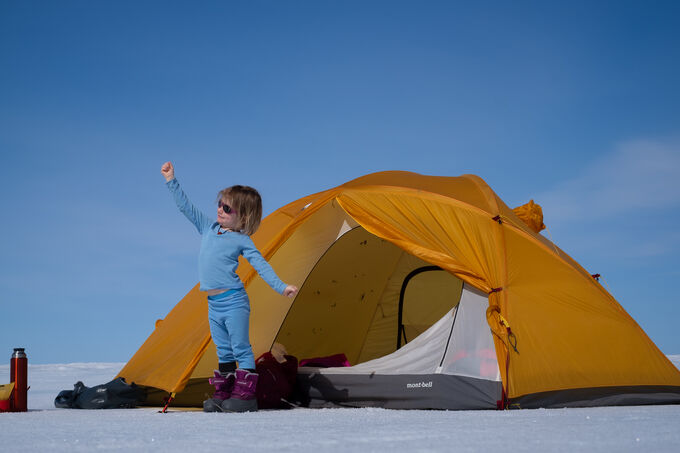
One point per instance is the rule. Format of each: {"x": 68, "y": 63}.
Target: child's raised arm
{"x": 168, "y": 171}
{"x": 195, "y": 216}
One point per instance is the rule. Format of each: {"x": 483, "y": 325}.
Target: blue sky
{"x": 575, "y": 105}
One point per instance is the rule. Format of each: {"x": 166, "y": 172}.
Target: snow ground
{"x": 45, "y": 428}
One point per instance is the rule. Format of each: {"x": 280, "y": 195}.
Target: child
{"x": 239, "y": 212}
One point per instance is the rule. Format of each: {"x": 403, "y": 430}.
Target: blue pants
{"x": 229, "y": 315}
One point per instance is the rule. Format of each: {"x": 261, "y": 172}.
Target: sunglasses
{"x": 226, "y": 208}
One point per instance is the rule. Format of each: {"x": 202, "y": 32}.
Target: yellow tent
{"x": 392, "y": 267}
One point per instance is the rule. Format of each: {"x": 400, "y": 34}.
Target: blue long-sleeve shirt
{"x": 218, "y": 258}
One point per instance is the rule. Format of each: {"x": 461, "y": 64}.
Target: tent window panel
{"x": 471, "y": 351}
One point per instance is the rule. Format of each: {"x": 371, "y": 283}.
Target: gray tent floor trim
{"x": 408, "y": 391}
{"x": 634, "y": 395}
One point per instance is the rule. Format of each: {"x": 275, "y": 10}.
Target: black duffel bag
{"x": 116, "y": 394}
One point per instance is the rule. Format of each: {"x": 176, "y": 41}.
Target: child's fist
{"x": 168, "y": 171}
{"x": 290, "y": 291}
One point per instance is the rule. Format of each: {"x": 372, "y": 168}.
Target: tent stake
{"x": 167, "y": 403}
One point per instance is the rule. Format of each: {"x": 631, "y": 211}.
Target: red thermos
{"x": 18, "y": 370}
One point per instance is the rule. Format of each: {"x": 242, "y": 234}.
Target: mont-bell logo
{"x": 419, "y": 385}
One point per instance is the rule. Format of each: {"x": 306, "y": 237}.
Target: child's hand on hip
{"x": 290, "y": 291}
{"x": 168, "y": 171}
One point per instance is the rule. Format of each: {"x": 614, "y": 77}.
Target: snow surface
{"x": 45, "y": 428}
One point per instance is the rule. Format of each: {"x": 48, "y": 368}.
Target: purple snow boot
{"x": 243, "y": 396}
{"x": 224, "y": 385}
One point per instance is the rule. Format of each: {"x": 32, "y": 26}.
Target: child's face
{"x": 227, "y": 217}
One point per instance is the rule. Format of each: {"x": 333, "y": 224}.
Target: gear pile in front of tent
{"x": 439, "y": 295}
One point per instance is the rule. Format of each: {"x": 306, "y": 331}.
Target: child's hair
{"x": 247, "y": 202}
